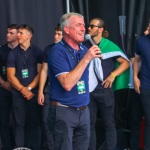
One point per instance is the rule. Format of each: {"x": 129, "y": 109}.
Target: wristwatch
{"x": 29, "y": 88}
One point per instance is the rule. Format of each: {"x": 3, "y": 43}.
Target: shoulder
{"x": 15, "y": 50}
{"x": 143, "y": 38}
{"x": 48, "y": 47}
{"x": 108, "y": 41}
{"x": 58, "y": 48}
{"x": 4, "y": 48}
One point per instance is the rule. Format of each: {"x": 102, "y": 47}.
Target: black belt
{"x": 59, "y": 104}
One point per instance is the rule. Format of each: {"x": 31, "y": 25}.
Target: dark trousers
{"x": 48, "y": 138}
{"x": 103, "y": 101}
{"x": 136, "y": 116}
{"x": 5, "y": 112}
{"x": 70, "y": 127}
{"x": 140, "y": 107}
{"x": 27, "y": 115}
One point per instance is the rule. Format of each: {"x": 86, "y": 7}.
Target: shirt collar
{"x": 69, "y": 47}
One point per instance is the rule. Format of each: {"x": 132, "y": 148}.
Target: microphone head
{"x": 87, "y": 36}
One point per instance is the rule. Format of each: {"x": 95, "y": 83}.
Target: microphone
{"x": 88, "y": 37}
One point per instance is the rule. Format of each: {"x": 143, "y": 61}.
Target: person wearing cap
{"x": 24, "y": 64}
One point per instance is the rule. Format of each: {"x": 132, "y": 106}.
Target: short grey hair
{"x": 65, "y": 19}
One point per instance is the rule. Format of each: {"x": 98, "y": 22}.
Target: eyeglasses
{"x": 92, "y": 26}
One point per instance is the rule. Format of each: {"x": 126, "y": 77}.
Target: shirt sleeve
{"x": 46, "y": 51}
{"x": 136, "y": 48}
{"x": 40, "y": 56}
{"x": 58, "y": 61}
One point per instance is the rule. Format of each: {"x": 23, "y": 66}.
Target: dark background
{"x": 43, "y": 16}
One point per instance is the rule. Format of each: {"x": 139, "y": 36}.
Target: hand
{"x": 41, "y": 98}
{"x": 93, "y": 52}
{"x": 26, "y": 93}
{"x": 7, "y": 86}
{"x": 29, "y": 95}
{"x": 137, "y": 84}
{"x": 107, "y": 83}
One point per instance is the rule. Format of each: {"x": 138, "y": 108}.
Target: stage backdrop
{"x": 136, "y": 12}
{"x": 43, "y": 15}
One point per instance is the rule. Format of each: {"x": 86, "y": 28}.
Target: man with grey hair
{"x": 68, "y": 63}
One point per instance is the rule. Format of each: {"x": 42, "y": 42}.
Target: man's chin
{"x": 81, "y": 40}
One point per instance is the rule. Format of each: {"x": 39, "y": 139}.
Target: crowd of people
{"x": 48, "y": 95}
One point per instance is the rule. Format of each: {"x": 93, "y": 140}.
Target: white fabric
{"x": 95, "y": 67}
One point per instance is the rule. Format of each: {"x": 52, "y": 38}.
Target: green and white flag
{"x": 108, "y": 49}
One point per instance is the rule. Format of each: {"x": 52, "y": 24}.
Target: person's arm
{"x": 13, "y": 79}
{"x": 43, "y": 78}
{"x": 35, "y": 81}
{"x": 25, "y": 90}
{"x": 17, "y": 85}
{"x": 5, "y": 84}
{"x": 1, "y": 81}
{"x": 123, "y": 65}
{"x": 136, "y": 69}
{"x": 68, "y": 80}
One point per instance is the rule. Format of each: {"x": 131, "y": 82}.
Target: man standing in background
{"x": 102, "y": 97}
{"x": 23, "y": 68}
{"x": 141, "y": 106}
{"x": 43, "y": 92}
{"x": 5, "y": 88}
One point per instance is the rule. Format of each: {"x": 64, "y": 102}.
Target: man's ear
{"x": 66, "y": 29}
{"x": 101, "y": 30}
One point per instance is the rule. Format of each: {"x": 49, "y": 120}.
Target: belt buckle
{"x": 81, "y": 108}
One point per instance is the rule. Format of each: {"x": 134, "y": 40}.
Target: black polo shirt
{"x": 4, "y": 51}
{"x": 20, "y": 60}
{"x": 46, "y": 51}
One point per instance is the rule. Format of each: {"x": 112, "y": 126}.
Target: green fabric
{"x": 106, "y": 46}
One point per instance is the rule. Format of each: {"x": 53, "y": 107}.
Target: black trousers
{"x": 27, "y": 116}
{"x": 103, "y": 101}
{"x": 140, "y": 106}
{"x": 48, "y": 138}
{"x": 70, "y": 127}
{"x": 5, "y": 112}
